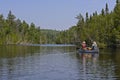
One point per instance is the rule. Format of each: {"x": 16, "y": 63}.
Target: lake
{"x": 57, "y": 62}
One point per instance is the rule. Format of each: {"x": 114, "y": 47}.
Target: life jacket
{"x": 83, "y": 45}
{"x": 94, "y": 47}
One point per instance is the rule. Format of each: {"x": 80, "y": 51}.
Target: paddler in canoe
{"x": 84, "y": 46}
{"x": 92, "y": 49}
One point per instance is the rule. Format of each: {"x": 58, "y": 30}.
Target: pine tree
{"x": 106, "y": 9}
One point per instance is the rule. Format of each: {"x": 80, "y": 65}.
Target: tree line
{"x": 15, "y": 31}
{"x": 104, "y": 28}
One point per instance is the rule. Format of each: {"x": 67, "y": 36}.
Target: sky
{"x": 53, "y": 14}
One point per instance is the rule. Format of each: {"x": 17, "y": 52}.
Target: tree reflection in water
{"x": 89, "y": 64}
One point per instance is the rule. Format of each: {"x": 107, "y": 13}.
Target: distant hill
{"x": 49, "y": 35}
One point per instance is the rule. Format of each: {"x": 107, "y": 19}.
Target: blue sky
{"x": 52, "y": 14}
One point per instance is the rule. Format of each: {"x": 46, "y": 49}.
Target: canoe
{"x": 88, "y": 51}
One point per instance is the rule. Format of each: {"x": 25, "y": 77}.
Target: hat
{"x": 94, "y": 42}
{"x": 83, "y": 42}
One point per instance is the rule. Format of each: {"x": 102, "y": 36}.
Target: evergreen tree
{"x": 103, "y": 12}
{"x": 106, "y": 9}
{"x": 117, "y": 22}
{"x": 87, "y": 17}
{"x": 10, "y": 19}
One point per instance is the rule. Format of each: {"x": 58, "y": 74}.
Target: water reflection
{"x": 34, "y": 62}
{"x": 56, "y": 63}
{"x": 89, "y": 65}
{"x": 12, "y": 51}
{"x": 100, "y": 66}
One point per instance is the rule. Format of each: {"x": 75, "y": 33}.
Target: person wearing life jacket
{"x": 94, "y": 46}
{"x": 84, "y": 47}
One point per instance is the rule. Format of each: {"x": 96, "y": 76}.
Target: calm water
{"x": 57, "y": 63}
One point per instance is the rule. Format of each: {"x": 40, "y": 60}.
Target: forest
{"x": 104, "y": 28}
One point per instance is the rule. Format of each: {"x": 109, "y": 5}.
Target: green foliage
{"x": 14, "y": 31}
{"x": 103, "y": 28}
{"x": 48, "y": 36}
